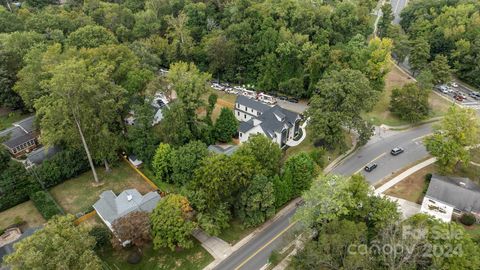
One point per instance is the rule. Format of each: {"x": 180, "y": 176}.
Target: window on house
{"x": 245, "y": 116}
{"x": 238, "y": 113}
{"x": 240, "y": 134}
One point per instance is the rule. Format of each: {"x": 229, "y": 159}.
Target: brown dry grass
{"x": 411, "y": 188}
{"x": 26, "y": 211}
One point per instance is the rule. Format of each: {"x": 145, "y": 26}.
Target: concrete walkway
{"x": 403, "y": 175}
{"x": 407, "y": 208}
{"x": 218, "y": 248}
{"x": 293, "y": 143}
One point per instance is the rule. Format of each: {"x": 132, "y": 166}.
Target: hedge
{"x": 61, "y": 167}
{"x": 467, "y": 219}
{"x": 45, "y": 204}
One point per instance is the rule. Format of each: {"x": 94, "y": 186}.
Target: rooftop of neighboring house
{"x": 8, "y": 248}
{"x": 461, "y": 193}
{"x": 272, "y": 119}
{"x": 226, "y": 149}
{"x": 21, "y": 132}
{"x": 37, "y": 156}
{"x": 111, "y": 207}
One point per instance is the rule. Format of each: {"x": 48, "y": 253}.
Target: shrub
{"x": 45, "y": 204}
{"x": 428, "y": 177}
{"x": 275, "y": 258}
{"x": 467, "y": 219}
{"x": 318, "y": 156}
{"x": 102, "y": 236}
{"x": 17, "y": 221}
{"x": 134, "y": 258}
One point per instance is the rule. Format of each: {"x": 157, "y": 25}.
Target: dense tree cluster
{"x": 410, "y": 103}
{"x": 444, "y": 32}
{"x": 354, "y": 229}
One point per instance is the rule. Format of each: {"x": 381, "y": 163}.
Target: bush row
{"x": 45, "y": 204}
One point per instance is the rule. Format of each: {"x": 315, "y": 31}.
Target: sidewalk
{"x": 214, "y": 245}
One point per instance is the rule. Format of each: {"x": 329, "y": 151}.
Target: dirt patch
{"x": 411, "y": 188}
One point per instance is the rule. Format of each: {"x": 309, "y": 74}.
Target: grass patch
{"x": 25, "y": 211}
{"x": 308, "y": 146}
{"x": 189, "y": 259}
{"x": 78, "y": 194}
{"x": 163, "y": 186}
{"x": 381, "y": 114}
{"x": 8, "y": 118}
{"x": 470, "y": 171}
{"x": 226, "y": 96}
{"x": 473, "y": 230}
{"x": 235, "y": 232}
{"x": 411, "y": 188}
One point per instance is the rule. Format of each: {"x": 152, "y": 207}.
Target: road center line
{"x": 421, "y": 137}
{"x": 264, "y": 246}
{"x": 373, "y": 160}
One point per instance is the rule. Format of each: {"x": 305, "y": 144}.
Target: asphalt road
{"x": 379, "y": 152}
{"x": 397, "y": 7}
{"x": 254, "y": 254}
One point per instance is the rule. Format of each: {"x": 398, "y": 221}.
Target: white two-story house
{"x": 277, "y": 123}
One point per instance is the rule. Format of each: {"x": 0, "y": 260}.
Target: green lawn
{"x": 235, "y": 232}
{"x": 473, "y": 230}
{"x": 189, "y": 259}
{"x": 8, "y": 118}
{"x": 78, "y": 194}
{"x": 225, "y": 96}
{"x": 381, "y": 114}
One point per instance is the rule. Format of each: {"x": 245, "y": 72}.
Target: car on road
{"x": 444, "y": 89}
{"x": 474, "y": 95}
{"x": 458, "y": 97}
{"x": 283, "y": 98}
{"x": 397, "y": 151}
{"x": 371, "y": 167}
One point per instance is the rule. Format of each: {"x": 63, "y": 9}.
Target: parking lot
{"x": 460, "y": 94}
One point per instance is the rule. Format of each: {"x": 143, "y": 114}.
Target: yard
{"x": 78, "y": 194}
{"x": 26, "y": 211}
{"x": 7, "y": 117}
{"x": 412, "y": 187}
{"x": 189, "y": 259}
{"x": 308, "y": 146}
{"x": 381, "y": 114}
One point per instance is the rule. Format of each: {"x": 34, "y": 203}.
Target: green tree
{"x": 265, "y": 152}
{"x": 172, "y": 223}
{"x": 41, "y": 3}
{"x": 141, "y": 139}
{"x": 257, "y": 202}
{"x": 302, "y": 169}
{"x": 185, "y": 159}
{"x": 226, "y": 126}
{"x": 9, "y": 21}
{"x": 69, "y": 247}
{"x": 340, "y": 99}
{"x": 440, "y": 69}
{"x": 425, "y": 80}
{"x": 419, "y": 54}
{"x": 91, "y": 36}
{"x": 212, "y": 101}
{"x": 161, "y": 162}
{"x": 174, "y": 128}
{"x": 457, "y": 130}
{"x": 410, "y": 103}
{"x": 220, "y": 53}
{"x": 282, "y": 187}
{"x": 386, "y": 21}
{"x": 180, "y": 39}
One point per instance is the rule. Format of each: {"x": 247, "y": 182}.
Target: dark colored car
{"x": 293, "y": 100}
{"x": 282, "y": 97}
{"x": 396, "y": 151}
{"x": 458, "y": 98}
{"x": 371, "y": 167}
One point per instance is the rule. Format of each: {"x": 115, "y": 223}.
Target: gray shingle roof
{"x": 459, "y": 192}
{"x": 41, "y": 154}
{"x": 111, "y": 207}
{"x": 277, "y": 118}
{"x": 20, "y": 133}
{"x": 223, "y": 149}
{"x": 251, "y": 103}
{"x": 245, "y": 126}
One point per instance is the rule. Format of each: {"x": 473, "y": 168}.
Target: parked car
{"x": 371, "y": 167}
{"x": 454, "y": 84}
{"x": 293, "y": 100}
{"x": 474, "y": 95}
{"x": 458, "y": 98}
{"x": 283, "y": 98}
{"x": 443, "y": 88}
{"x": 396, "y": 151}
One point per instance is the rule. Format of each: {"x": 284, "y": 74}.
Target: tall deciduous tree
{"x": 410, "y": 103}
{"x": 185, "y": 159}
{"x": 141, "y": 138}
{"x": 91, "y": 36}
{"x": 266, "y": 153}
{"x": 175, "y": 126}
{"x": 302, "y": 170}
{"x": 226, "y": 126}
{"x": 386, "y": 21}
{"x": 440, "y": 69}
{"x": 172, "y": 223}
{"x": 457, "y": 130}
{"x": 257, "y": 202}
{"x": 133, "y": 227}
{"x": 419, "y": 54}
{"x": 161, "y": 162}
{"x": 59, "y": 245}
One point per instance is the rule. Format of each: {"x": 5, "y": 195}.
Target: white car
{"x": 454, "y": 84}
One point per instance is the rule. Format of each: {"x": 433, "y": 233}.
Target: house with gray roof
{"x": 110, "y": 207}
{"x": 278, "y": 124}
{"x": 21, "y": 138}
{"x": 37, "y": 156}
{"x": 447, "y": 196}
